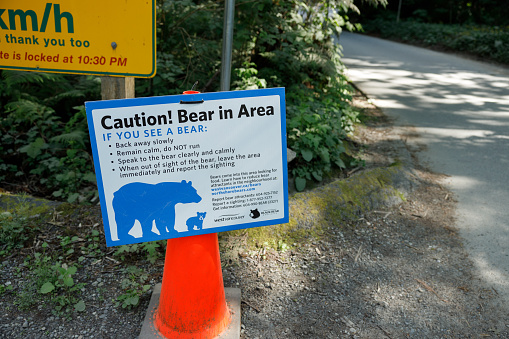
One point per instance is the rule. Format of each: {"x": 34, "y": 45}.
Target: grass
{"x": 313, "y": 212}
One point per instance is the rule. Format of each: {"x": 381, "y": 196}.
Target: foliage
{"x": 13, "y": 232}
{"x": 92, "y": 248}
{"x": 294, "y": 47}
{"x": 150, "y": 249}
{"x": 16, "y": 227}
{"x": 53, "y": 279}
{"x": 44, "y": 133}
{"x": 7, "y": 287}
{"x": 289, "y": 44}
{"x": 482, "y": 41}
{"x": 133, "y": 287}
{"x": 52, "y": 276}
{"x": 61, "y": 280}
{"x": 319, "y": 144}
{"x": 481, "y": 12}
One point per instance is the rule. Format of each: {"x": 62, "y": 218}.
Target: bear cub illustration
{"x": 196, "y": 221}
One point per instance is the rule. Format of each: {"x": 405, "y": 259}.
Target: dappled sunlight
{"x": 373, "y": 76}
{"x": 461, "y": 88}
{"x": 490, "y": 123}
{"x": 500, "y": 84}
{"x": 371, "y": 63}
{"x": 410, "y": 81}
{"x": 476, "y": 100}
{"x": 389, "y": 104}
{"x": 433, "y": 133}
{"x": 463, "y": 79}
{"x": 466, "y": 182}
{"x": 458, "y": 111}
{"x": 491, "y": 273}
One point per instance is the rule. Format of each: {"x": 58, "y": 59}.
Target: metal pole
{"x": 226, "y": 59}
{"x": 399, "y": 10}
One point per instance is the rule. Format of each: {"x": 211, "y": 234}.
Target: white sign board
{"x": 183, "y": 165}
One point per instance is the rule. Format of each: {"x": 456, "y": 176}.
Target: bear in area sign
{"x": 184, "y": 165}
{"x": 149, "y": 203}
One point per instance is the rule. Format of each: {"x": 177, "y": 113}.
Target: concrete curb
{"x": 366, "y": 190}
{"x": 347, "y": 199}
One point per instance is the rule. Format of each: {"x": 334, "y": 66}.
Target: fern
{"x": 75, "y": 137}
{"x": 72, "y": 94}
{"x": 15, "y": 78}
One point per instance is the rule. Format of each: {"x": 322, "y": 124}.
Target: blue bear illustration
{"x": 149, "y": 202}
{"x": 196, "y": 221}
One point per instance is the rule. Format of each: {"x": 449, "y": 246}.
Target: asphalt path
{"x": 459, "y": 109}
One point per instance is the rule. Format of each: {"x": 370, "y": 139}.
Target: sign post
{"x": 226, "y": 55}
{"x": 117, "y": 88}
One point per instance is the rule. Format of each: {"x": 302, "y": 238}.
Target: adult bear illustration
{"x": 149, "y": 202}
{"x": 196, "y": 221}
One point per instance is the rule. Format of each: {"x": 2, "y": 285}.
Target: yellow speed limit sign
{"x": 112, "y": 37}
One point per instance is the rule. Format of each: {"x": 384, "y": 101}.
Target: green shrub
{"x": 133, "y": 287}
{"x": 43, "y": 129}
{"x": 317, "y": 130}
{"x": 13, "y": 232}
{"x": 53, "y": 280}
{"x": 483, "y": 41}
{"x": 17, "y": 223}
{"x": 44, "y": 133}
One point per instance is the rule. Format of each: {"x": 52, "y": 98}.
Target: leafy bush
{"x": 277, "y": 44}
{"x": 317, "y": 130}
{"x": 294, "y": 47}
{"x": 482, "y": 41}
{"x": 150, "y": 249}
{"x": 289, "y": 44}
{"x": 133, "y": 287}
{"x": 44, "y": 133}
{"x": 51, "y": 280}
{"x": 13, "y": 232}
{"x": 17, "y": 223}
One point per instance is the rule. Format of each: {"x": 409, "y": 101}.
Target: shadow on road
{"x": 460, "y": 111}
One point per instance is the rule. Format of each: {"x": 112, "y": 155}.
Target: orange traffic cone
{"x": 192, "y": 302}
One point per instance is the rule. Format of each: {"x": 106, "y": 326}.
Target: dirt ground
{"x": 396, "y": 272}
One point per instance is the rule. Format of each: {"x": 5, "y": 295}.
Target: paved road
{"x": 460, "y": 110}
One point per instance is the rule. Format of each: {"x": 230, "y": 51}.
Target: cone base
{"x": 233, "y": 299}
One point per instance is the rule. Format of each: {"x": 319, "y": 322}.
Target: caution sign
{"x": 114, "y": 37}
{"x": 184, "y": 165}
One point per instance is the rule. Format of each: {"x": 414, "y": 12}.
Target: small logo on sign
{"x": 254, "y": 214}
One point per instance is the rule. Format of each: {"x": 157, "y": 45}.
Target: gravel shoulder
{"x": 396, "y": 270}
